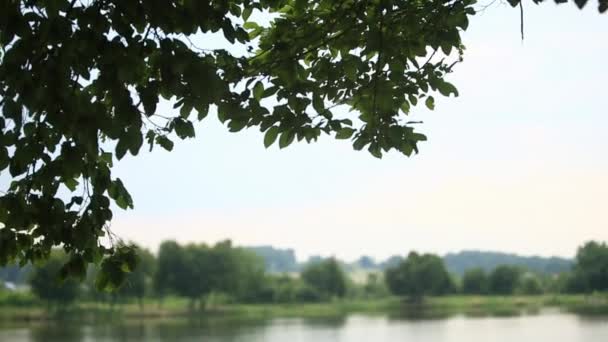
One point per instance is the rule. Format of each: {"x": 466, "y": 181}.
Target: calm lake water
{"x": 550, "y": 326}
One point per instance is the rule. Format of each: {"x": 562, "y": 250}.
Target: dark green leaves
{"x": 165, "y": 142}
{"x": 430, "y": 103}
{"x": 271, "y": 136}
{"x": 345, "y": 133}
{"x": 4, "y": 158}
{"x": 114, "y": 269}
{"x": 286, "y": 138}
{"x": 183, "y": 128}
{"x": 119, "y": 193}
{"x": 258, "y": 91}
{"x": 446, "y": 89}
{"x": 602, "y": 7}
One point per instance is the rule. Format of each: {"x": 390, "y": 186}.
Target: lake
{"x": 546, "y": 326}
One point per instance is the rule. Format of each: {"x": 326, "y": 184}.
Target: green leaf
{"x": 374, "y": 149}
{"x": 136, "y": 140}
{"x": 183, "y": 128}
{"x": 186, "y": 109}
{"x": 413, "y": 100}
{"x": 107, "y": 158}
{"x": 122, "y": 147}
{"x": 258, "y": 91}
{"x": 71, "y": 184}
{"x": 271, "y": 136}
{"x": 4, "y": 158}
{"x": 247, "y": 13}
{"x": 345, "y": 133}
{"x": 120, "y": 195}
{"x": 446, "y": 89}
{"x": 165, "y": 142}
{"x": 430, "y": 103}
{"x": 318, "y": 103}
{"x": 405, "y": 107}
{"x": 286, "y": 138}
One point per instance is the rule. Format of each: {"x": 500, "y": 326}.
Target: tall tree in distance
{"x": 503, "y": 280}
{"x": 591, "y": 268}
{"x": 47, "y": 285}
{"x": 170, "y": 265}
{"x": 417, "y": 276}
{"x": 475, "y": 281}
{"x": 327, "y": 277}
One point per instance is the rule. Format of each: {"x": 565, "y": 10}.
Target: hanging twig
{"x": 521, "y": 11}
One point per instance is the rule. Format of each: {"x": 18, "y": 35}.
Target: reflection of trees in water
{"x": 57, "y": 332}
{"x": 423, "y": 312}
{"x": 329, "y": 322}
{"x": 221, "y": 328}
{"x": 132, "y": 330}
{"x": 420, "y": 312}
{"x": 234, "y": 330}
{"x": 209, "y": 329}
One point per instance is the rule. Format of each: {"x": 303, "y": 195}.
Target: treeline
{"x": 420, "y": 275}
{"x": 223, "y": 273}
{"x": 279, "y": 260}
{"x": 205, "y": 274}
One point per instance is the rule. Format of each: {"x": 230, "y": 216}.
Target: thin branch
{"x": 521, "y": 11}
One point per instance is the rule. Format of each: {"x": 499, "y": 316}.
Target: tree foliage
{"x": 529, "y": 284}
{"x": 81, "y": 83}
{"x": 591, "y": 268}
{"x": 602, "y": 4}
{"x": 503, "y": 280}
{"x": 197, "y": 270}
{"x": 47, "y": 285}
{"x": 138, "y": 282}
{"x": 475, "y": 281}
{"x": 418, "y": 275}
{"x": 326, "y": 277}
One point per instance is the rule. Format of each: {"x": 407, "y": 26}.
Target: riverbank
{"x": 431, "y": 307}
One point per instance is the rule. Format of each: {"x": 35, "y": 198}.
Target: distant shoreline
{"x": 431, "y": 307}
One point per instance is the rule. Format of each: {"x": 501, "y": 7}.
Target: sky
{"x": 517, "y": 163}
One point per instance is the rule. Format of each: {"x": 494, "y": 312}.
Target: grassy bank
{"x": 430, "y": 307}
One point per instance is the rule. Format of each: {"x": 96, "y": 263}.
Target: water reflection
{"x": 64, "y": 332}
{"x": 420, "y": 326}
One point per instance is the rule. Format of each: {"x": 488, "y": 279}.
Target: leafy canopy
{"x": 591, "y": 268}
{"x": 81, "y": 83}
{"x": 418, "y": 275}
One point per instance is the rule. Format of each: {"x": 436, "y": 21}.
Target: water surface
{"x": 547, "y": 326}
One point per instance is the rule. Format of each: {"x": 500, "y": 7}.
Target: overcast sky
{"x": 517, "y": 163}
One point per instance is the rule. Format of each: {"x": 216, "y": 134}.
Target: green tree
{"x": 139, "y": 282}
{"x": 418, "y": 275}
{"x": 197, "y": 270}
{"x": 81, "y": 83}
{"x": 251, "y": 282}
{"x": 375, "y": 286}
{"x": 196, "y": 278}
{"x": 591, "y": 267}
{"x": 503, "y": 280}
{"x": 47, "y": 285}
{"x": 169, "y": 270}
{"x": 326, "y": 277}
{"x": 475, "y": 281}
{"x": 529, "y": 284}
